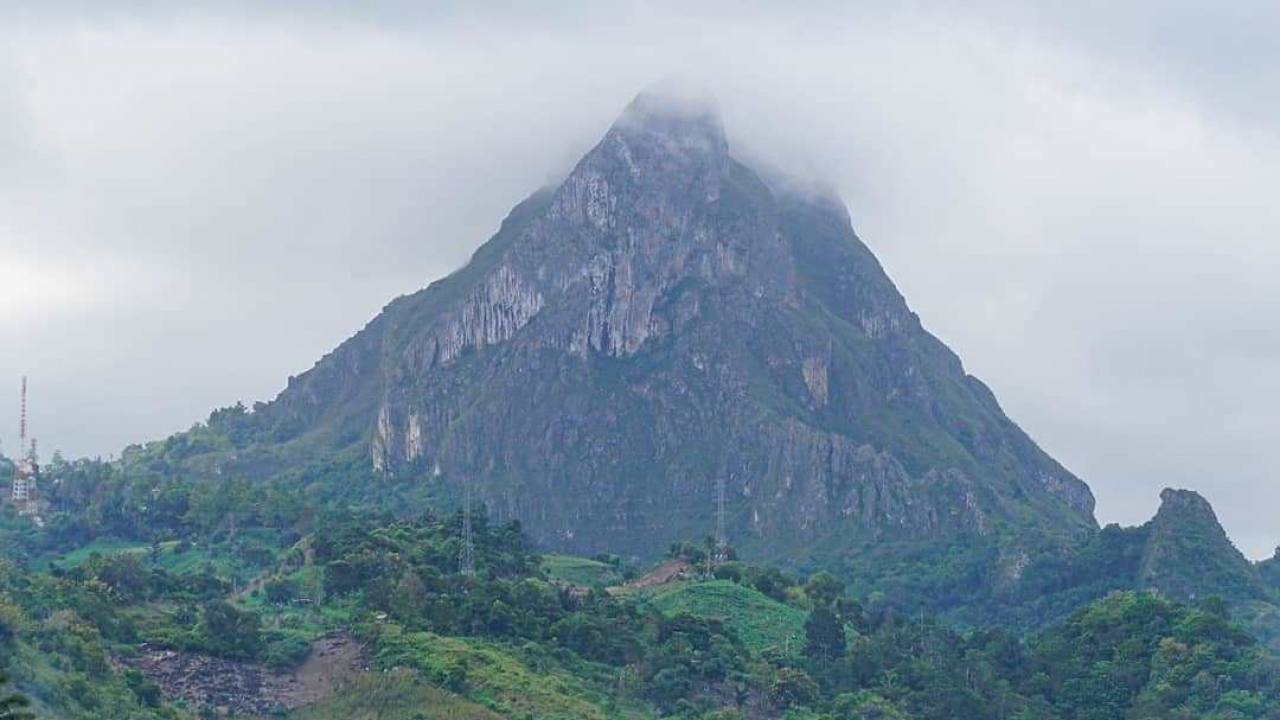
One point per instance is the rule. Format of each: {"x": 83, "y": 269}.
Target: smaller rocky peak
{"x": 1185, "y": 504}
{"x": 1270, "y": 570}
{"x": 1187, "y": 515}
{"x": 1189, "y": 556}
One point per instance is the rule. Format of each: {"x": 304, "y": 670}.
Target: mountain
{"x": 663, "y": 320}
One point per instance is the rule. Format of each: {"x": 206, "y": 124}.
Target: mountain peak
{"x": 678, "y": 112}
{"x": 676, "y": 97}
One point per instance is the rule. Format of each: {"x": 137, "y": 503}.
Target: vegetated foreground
{"x": 359, "y": 614}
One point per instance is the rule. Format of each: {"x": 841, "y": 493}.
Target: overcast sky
{"x": 1082, "y": 199}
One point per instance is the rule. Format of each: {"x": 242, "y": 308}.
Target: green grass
{"x": 579, "y": 570}
{"x": 221, "y": 557}
{"x": 104, "y": 546}
{"x": 169, "y": 559}
{"x": 310, "y": 621}
{"x": 396, "y": 695}
{"x": 61, "y": 690}
{"x": 192, "y": 560}
{"x": 757, "y": 619}
{"x": 516, "y": 683}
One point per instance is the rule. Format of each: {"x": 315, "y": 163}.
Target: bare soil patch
{"x": 668, "y": 571}
{"x": 242, "y": 688}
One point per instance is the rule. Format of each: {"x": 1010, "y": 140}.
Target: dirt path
{"x": 260, "y": 580}
{"x": 661, "y": 575}
{"x": 333, "y": 662}
{"x": 256, "y": 583}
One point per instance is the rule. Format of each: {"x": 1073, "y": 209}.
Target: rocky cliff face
{"x": 664, "y": 318}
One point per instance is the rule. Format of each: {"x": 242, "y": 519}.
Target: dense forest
{"x": 132, "y": 561}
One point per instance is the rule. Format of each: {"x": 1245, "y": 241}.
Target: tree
{"x": 793, "y": 687}
{"x": 145, "y": 689}
{"x": 12, "y": 705}
{"x": 123, "y": 573}
{"x": 824, "y": 589}
{"x": 773, "y": 583}
{"x": 230, "y": 632}
{"x": 11, "y": 621}
{"x": 851, "y": 612}
{"x": 824, "y": 635}
{"x": 723, "y": 714}
{"x": 669, "y": 685}
{"x": 864, "y": 705}
{"x": 1216, "y": 607}
{"x": 279, "y": 590}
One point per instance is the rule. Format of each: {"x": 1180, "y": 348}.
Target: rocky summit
{"x": 663, "y": 321}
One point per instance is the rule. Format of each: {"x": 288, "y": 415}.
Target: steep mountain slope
{"x": 661, "y": 320}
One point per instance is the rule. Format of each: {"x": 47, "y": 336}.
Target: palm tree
{"x": 13, "y": 707}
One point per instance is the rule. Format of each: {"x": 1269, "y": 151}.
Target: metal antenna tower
{"x": 467, "y": 558}
{"x": 722, "y": 537}
{"x": 22, "y": 421}
{"x": 25, "y": 492}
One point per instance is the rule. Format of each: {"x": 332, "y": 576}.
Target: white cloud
{"x": 1081, "y": 208}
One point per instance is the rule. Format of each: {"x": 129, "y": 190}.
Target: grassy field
{"x": 104, "y": 546}
{"x": 516, "y": 683}
{"x": 395, "y": 695}
{"x": 221, "y": 558}
{"x": 760, "y": 621}
{"x": 579, "y": 570}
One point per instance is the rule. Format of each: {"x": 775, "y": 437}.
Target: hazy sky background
{"x": 1083, "y": 200}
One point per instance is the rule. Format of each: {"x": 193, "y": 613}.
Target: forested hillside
{"x": 264, "y": 592}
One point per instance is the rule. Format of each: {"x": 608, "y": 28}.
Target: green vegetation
{"x": 758, "y": 620}
{"x": 1269, "y": 570}
{"x": 532, "y": 637}
{"x": 532, "y": 686}
{"x": 396, "y": 695}
{"x": 587, "y": 572}
{"x": 12, "y": 705}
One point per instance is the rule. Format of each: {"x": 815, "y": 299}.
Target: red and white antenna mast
{"x": 22, "y": 421}
{"x": 25, "y": 491}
